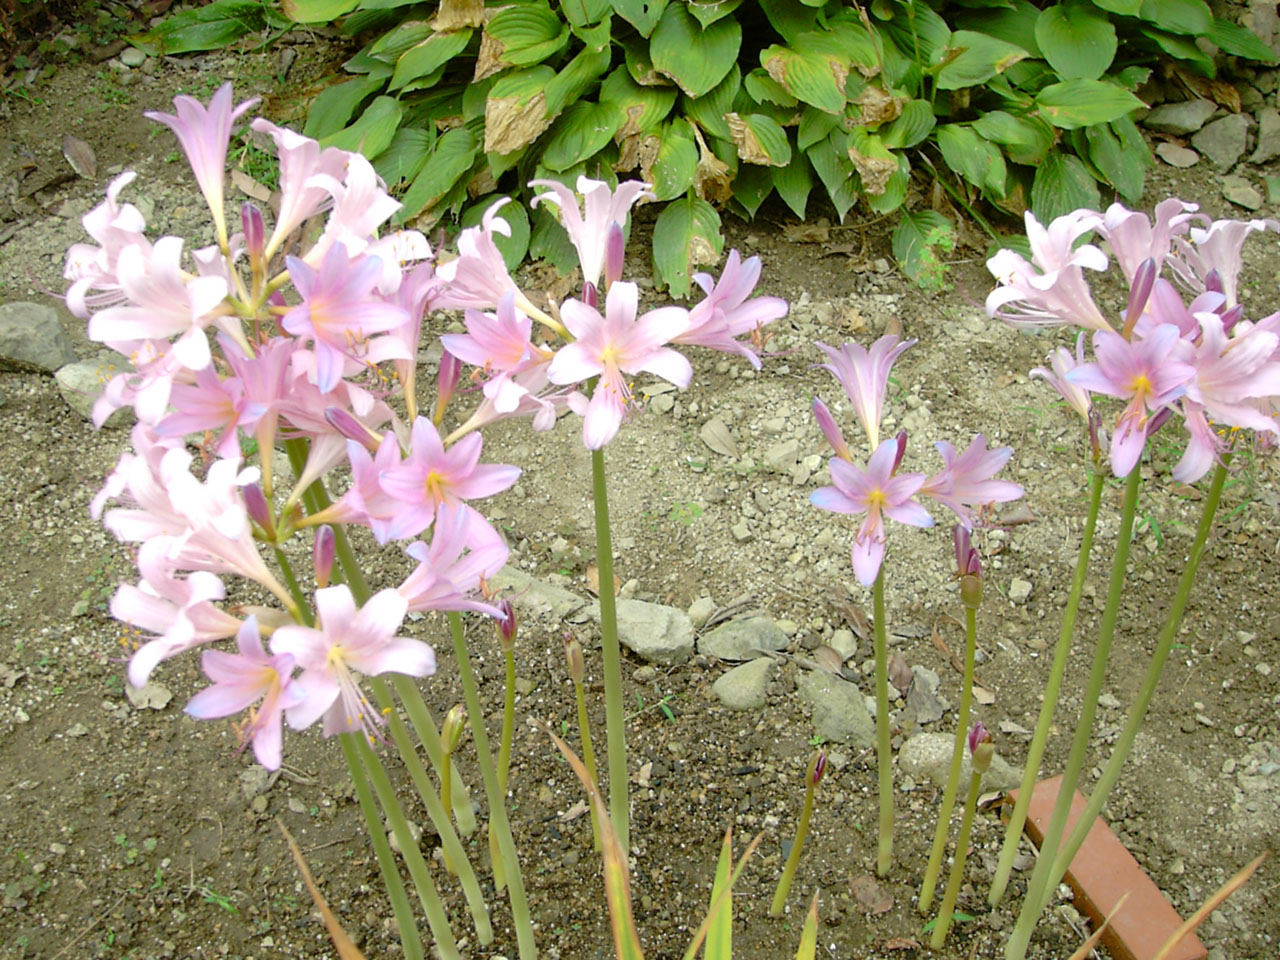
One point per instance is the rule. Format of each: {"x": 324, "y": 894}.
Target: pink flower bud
{"x": 351, "y": 428}
{"x": 507, "y": 625}
{"x": 981, "y": 749}
{"x": 254, "y": 230}
{"x": 446, "y": 384}
{"x": 819, "y": 767}
{"x": 322, "y": 551}
{"x": 901, "y": 441}
{"x": 255, "y": 503}
{"x": 589, "y": 295}
{"x": 615, "y": 252}
{"x": 573, "y": 654}
{"x": 1144, "y": 281}
{"x": 831, "y": 430}
{"x": 968, "y": 567}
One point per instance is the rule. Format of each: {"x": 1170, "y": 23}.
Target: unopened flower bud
{"x": 455, "y": 724}
{"x": 573, "y": 654}
{"x": 901, "y": 440}
{"x": 817, "y": 767}
{"x": 1231, "y": 317}
{"x": 1213, "y": 282}
{"x": 507, "y": 625}
{"x": 1144, "y": 281}
{"x": 589, "y": 295}
{"x": 981, "y": 749}
{"x": 615, "y": 251}
{"x": 255, "y": 232}
{"x": 322, "y": 551}
{"x": 255, "y": 504}
{"x": 968, "y": 567}
{"x": 831, "y": 430}
{"x": 346, "y": 424}
{"x": 446, "y": 384}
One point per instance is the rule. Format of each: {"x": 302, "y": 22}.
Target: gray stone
{"x": 1176, "y": 156}
{"x": 1223, "y": 141}
{"x": 743, "y": 687}
{"x": 1181, "y": 118}
{"x": 1019, "y": 590}
{"x": 1268, "y": 147}
{"x": 662, "y": 403}
{"x": 923, "y": 703}
{"x": 654, "y": 632}
{"x": 782, "y": 456}
{"x": 844, "y": 643}
{"x": 32, "y": 339}
{"x": 929, "y": 755}
{"x": 1241, "y": 192}
{"x": 700, "y": 610}
{"x": 81, "y": 384}
{"x": 132, "y": 57}
{"x": 534, "y": 596}
{"x": 839, "y": 712}
{"x": 742, "y": 531}
{"x": 739, "y": 639}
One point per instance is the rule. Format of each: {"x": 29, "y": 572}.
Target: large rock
{"x": 1181, "y": 118}
{"x": 1223, "y": 141}
{"x": 1268, "y": 147}
{"x": 928, "y": 756}
{"x": 743, "y": 687}
{"x": 740, "y": 639}
{"x": 534, "y": 596}
{"x": 32, "y": 339}
{"x": 654, "y": 632}
{"x": 81, "y": 384}
{"x": 839, "y": 710}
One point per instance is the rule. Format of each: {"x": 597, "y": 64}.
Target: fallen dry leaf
{"x": 81, "y": 157}
{"x": 828, "y": 659}
{"x": 593, "y": 581}
{"x": 716, "y": 435}
{"x": 871, "y": 896}
{"x": 574, "y": 812}
{"x": 816, "y": 232}
{"x": 900, "y": 674}
{"x": 901, "y": 943}
{"x": 249, "y": 186}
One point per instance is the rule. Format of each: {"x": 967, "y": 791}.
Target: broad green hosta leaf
{"x": 1183, "y": 48}
{"x": 975, "y": 58}
{"x": 401, "y": 161}
{"x": 709, "y": 12}
{"x": 1079, "y": 103}
{"x": 576, "y": 77}
{"x": 1077, "y": 42}
{"x": 581, "y": 131}
{"x": 582, "y": 12}
{"x": 1121, "y": 155}
{"x": 332, "y": 109}
{"x": 641, "y": 67}
{"x": 641, "y": 14}
{"x": 642, "y": 107}
{"x": 1126, "y": 8}
{"x": 763, "y": 88}
{"x": 1025, "y": 139}
{"x": 372, "y": 132}
{"x": 669, "y": 159}
{"x": 1191, "y": 17}
{"x": 512, "y": 248}
{"x": 516, "y": 112}
{"x": 452, "y": 157}
{"x": 708, "y": 111}
{"x": 686, "y": 235}
{"x": 550, "y": 242}
{"x": 523, "y": 34}
{"x": 428, "y": 56}
{"x": 316, "y": 11}
{"x": 393, "y": 43}
{"x": 697, "y": 59}
{"x": 920, "y": 33}
{"x": 1239, "y": 41}
{"x": 912, "y": 126}
{"x": 794, "y": 182}
{"x": 815, "y": 125}
{"x": 759, "y": 139}
{"x": 751, "y": 187}
{"x": 210, "y": 27}
{"x": 788, "y": 18}
{"x": 1014, "y": 25}
{"x": 977, "y": 160}
{"x": 813, "y": 69}
{"x": 1062, "y": 184}
{"x": 916, "y": 242}
{"x": 831, "y": 162}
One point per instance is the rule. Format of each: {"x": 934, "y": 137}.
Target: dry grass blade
{"x": 1087, "y": 947}
{"x": 346, "y": 949}
{"x": 1210, "y": 905}
{"x": 809, "y": 936}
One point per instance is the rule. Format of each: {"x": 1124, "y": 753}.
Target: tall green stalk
{"x": 611, "y": 660}
{"x": 1057, "y": 670}
{"x": 1038, "y": 886}
{"x": 428, "y": 733}
{"x": 884, "y": 757}
{"x": 957, "y": 759}
{"x": 520, "y": 916}
{"x": 1138, "y": 712}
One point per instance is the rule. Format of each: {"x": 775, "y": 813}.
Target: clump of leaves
{"x": 721, "y": 103}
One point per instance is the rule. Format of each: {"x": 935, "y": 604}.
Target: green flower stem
{"x": 428, "y": 733}
{"x": 508, "y": 721}
{"x": 802, "y": 831}
{"x": 410, "y": 940}
{"x": 957, "y": 759}
{"x": 520, "y": 917}
{"x": 1038, "y": 887}
{"x": 611, "y": 656}
{"x": 295, "y": 589}
{"x": 884, "y": 758}
{"x": 1040, "y": 738}
{"x": 453, "y": 849}
{"x": 945, "y": 912}
{"x": 1119, "y": 753}
{"x": 588, "y": 754}
{"x": 315, "y": 498}
{"x": 437, "y": 919}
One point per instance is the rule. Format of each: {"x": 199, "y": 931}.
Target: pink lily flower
{"x": 588, "y": 228}
{"x": 533, "y": 400}
{"x": 611, "y": 347}
{"x": 432, "y": 477}
{"x": 1217, "y": 249}
{"x": 360, "y": 206}
{"x": 878, "y": 492}
{"x": 1062, "y": 362}
{"x": 864, "y": 375}
{"x": 116, "y": 227}
{"x": 1051, "y": 290}
{"x": 204, "y": 134}
{"x": 211, "y": 403}
{"x": 162, "y": 301}
{"x": 1133, "y": 238}
{"x": 241, "y": 680}
{"x": 478, "y": 276}
{"x": 1149, "y": 373}
{"x": 339, "y": 314}
{"x": 965, "y": 480}
{"x": 831, "y": 430}
{"x": 501, "y": 345}
{"x": 300, "y": 159}
{"x": 367, "y": 504}
{"x": 726, "y": 314}
{"x": 453, "y": 566}
{"x": 344, "y": 642}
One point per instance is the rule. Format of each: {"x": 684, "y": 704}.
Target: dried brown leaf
{"x": 712, "y": 176}
{"x": 901, "y": 943}
{"x": 81, "y": 157}
{"x": 749, "y": 149}
{"x": 828, "y": 658}
{"x": 871, "y": 896}
{"x": 1215, "y": 901}
{"x": 900, "y": 675}
{"x": 816, "y": 232}
{"x": 716, "y": 435}
{"x": 593, "y": 581}
{"x": 457, "y": 15}
{"x": 510, "y": 124}
{"x": 347, "y": 950}
{"x": 249, "y": 186}
{"x": 875, "y": 171}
